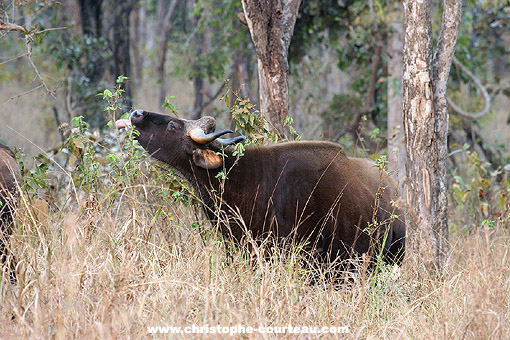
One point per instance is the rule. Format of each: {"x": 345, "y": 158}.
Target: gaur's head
{"x": 178, "y": 141}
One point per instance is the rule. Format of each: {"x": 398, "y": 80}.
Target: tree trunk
{"x": 198, "y": 88}
{"x": 271, "y": 27}
{"x": 198, "y": 78}
{"x": 119, "y": 42}
{"x": 396, "y": 145}
{"x": 161, "y": 71}
{"x": 136, "y": 63}
{"x": 164, "y": 23}
{"x": 91, "y": 17}
{"x": 426, "y": 128}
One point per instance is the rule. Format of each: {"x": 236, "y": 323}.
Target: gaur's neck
{"x": 208, "y": 184}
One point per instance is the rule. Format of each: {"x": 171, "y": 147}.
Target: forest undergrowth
{"x": 110, "y": 243}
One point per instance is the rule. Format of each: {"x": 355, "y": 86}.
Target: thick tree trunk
{"x": 274, "y": 96}
{"x": 396, "y": 145}
{"x": 426, "y": 127}
{"x": 271, "y": 27}
{"x": 119, "y": 42}
{"x": 91, "y": 16}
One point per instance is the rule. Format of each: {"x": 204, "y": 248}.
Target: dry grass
{"x": 108, "y": 268}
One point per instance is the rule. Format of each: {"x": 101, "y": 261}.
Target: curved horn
{"x": 231, "y": 141}
{"x": 198, "y": 135}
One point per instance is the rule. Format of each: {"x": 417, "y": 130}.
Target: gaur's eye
{"x": 171, "y": 126}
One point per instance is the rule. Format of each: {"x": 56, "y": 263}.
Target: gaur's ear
{"x": 207, "y": 159}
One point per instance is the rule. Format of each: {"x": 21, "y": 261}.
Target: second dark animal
{"x": 10, "y": 177}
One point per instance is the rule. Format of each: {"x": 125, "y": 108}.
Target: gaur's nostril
{"x": 137, "y": 114}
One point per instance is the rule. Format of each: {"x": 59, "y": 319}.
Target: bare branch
{"x": 12, "y": 59}
{"x": 29, "y": 56}
{"x": 52, "y": 29}
{"x": 478, "y": 84}
{"x": 5, "y": 26}
{"x": 369, "y": 107}
{"x": 376, "y": 59}
{"x": 170, "y": 12}
{"x": 28, "y": 40}
{"x": 209, "y": 102}
{"x": 21, "y": 95}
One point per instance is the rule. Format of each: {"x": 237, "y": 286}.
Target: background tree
{"x": 118, "y": 29}
{"x": 396, "y": 142}
{"x": 165, "y": 13}
{"x": 426, "y": 127}
{"x": 271, "y": 24}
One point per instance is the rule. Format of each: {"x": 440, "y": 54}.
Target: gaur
{"x": 301, "y": 191}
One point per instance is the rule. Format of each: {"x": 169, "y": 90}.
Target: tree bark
{"x": 164, "y": 24}
{"x": 91, "y": 17}
{"x": 119, "y": 42}
{"x": 136, "y": 62}
{"x": 271, "y": 24}
{"x": 198, "y": 77}
{"x": 426, "y": 127}
{"x": 396, "y": 144}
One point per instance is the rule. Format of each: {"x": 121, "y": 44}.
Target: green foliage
{"x": 34, "y": 177}
{"x": 381, "y": 162}
{"x": 169, "y": 106}
{"x": 489, "y": 223}
{"x": 112, "y": 98}
{"x": 238, "y": 150}
{"x": 319, "y": 21}
{"x": 251, "y": 123}
{"x": 248, "y": 119}
{"x": 214, "y": 22}
{"x": 481, "y": 191}
{"x": 481, "y": 36}
{"x": 221, "y": 175}
{"x": 375, "y": 135}
{"x": 110, "y": 165}
{"x": 288, "y": 122}
{"x": 83, "y": 59}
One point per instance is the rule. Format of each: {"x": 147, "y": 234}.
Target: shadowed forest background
{"x": 194, "y": 52}
{"x": 110, "y": 242}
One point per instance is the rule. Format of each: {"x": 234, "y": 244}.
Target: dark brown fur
{"x": 299, "y": 190}
{"x": 10, "y": 176}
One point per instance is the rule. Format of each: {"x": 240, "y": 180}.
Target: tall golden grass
{"x": 108, "y": 265}
{"x": 111, "y": 261}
